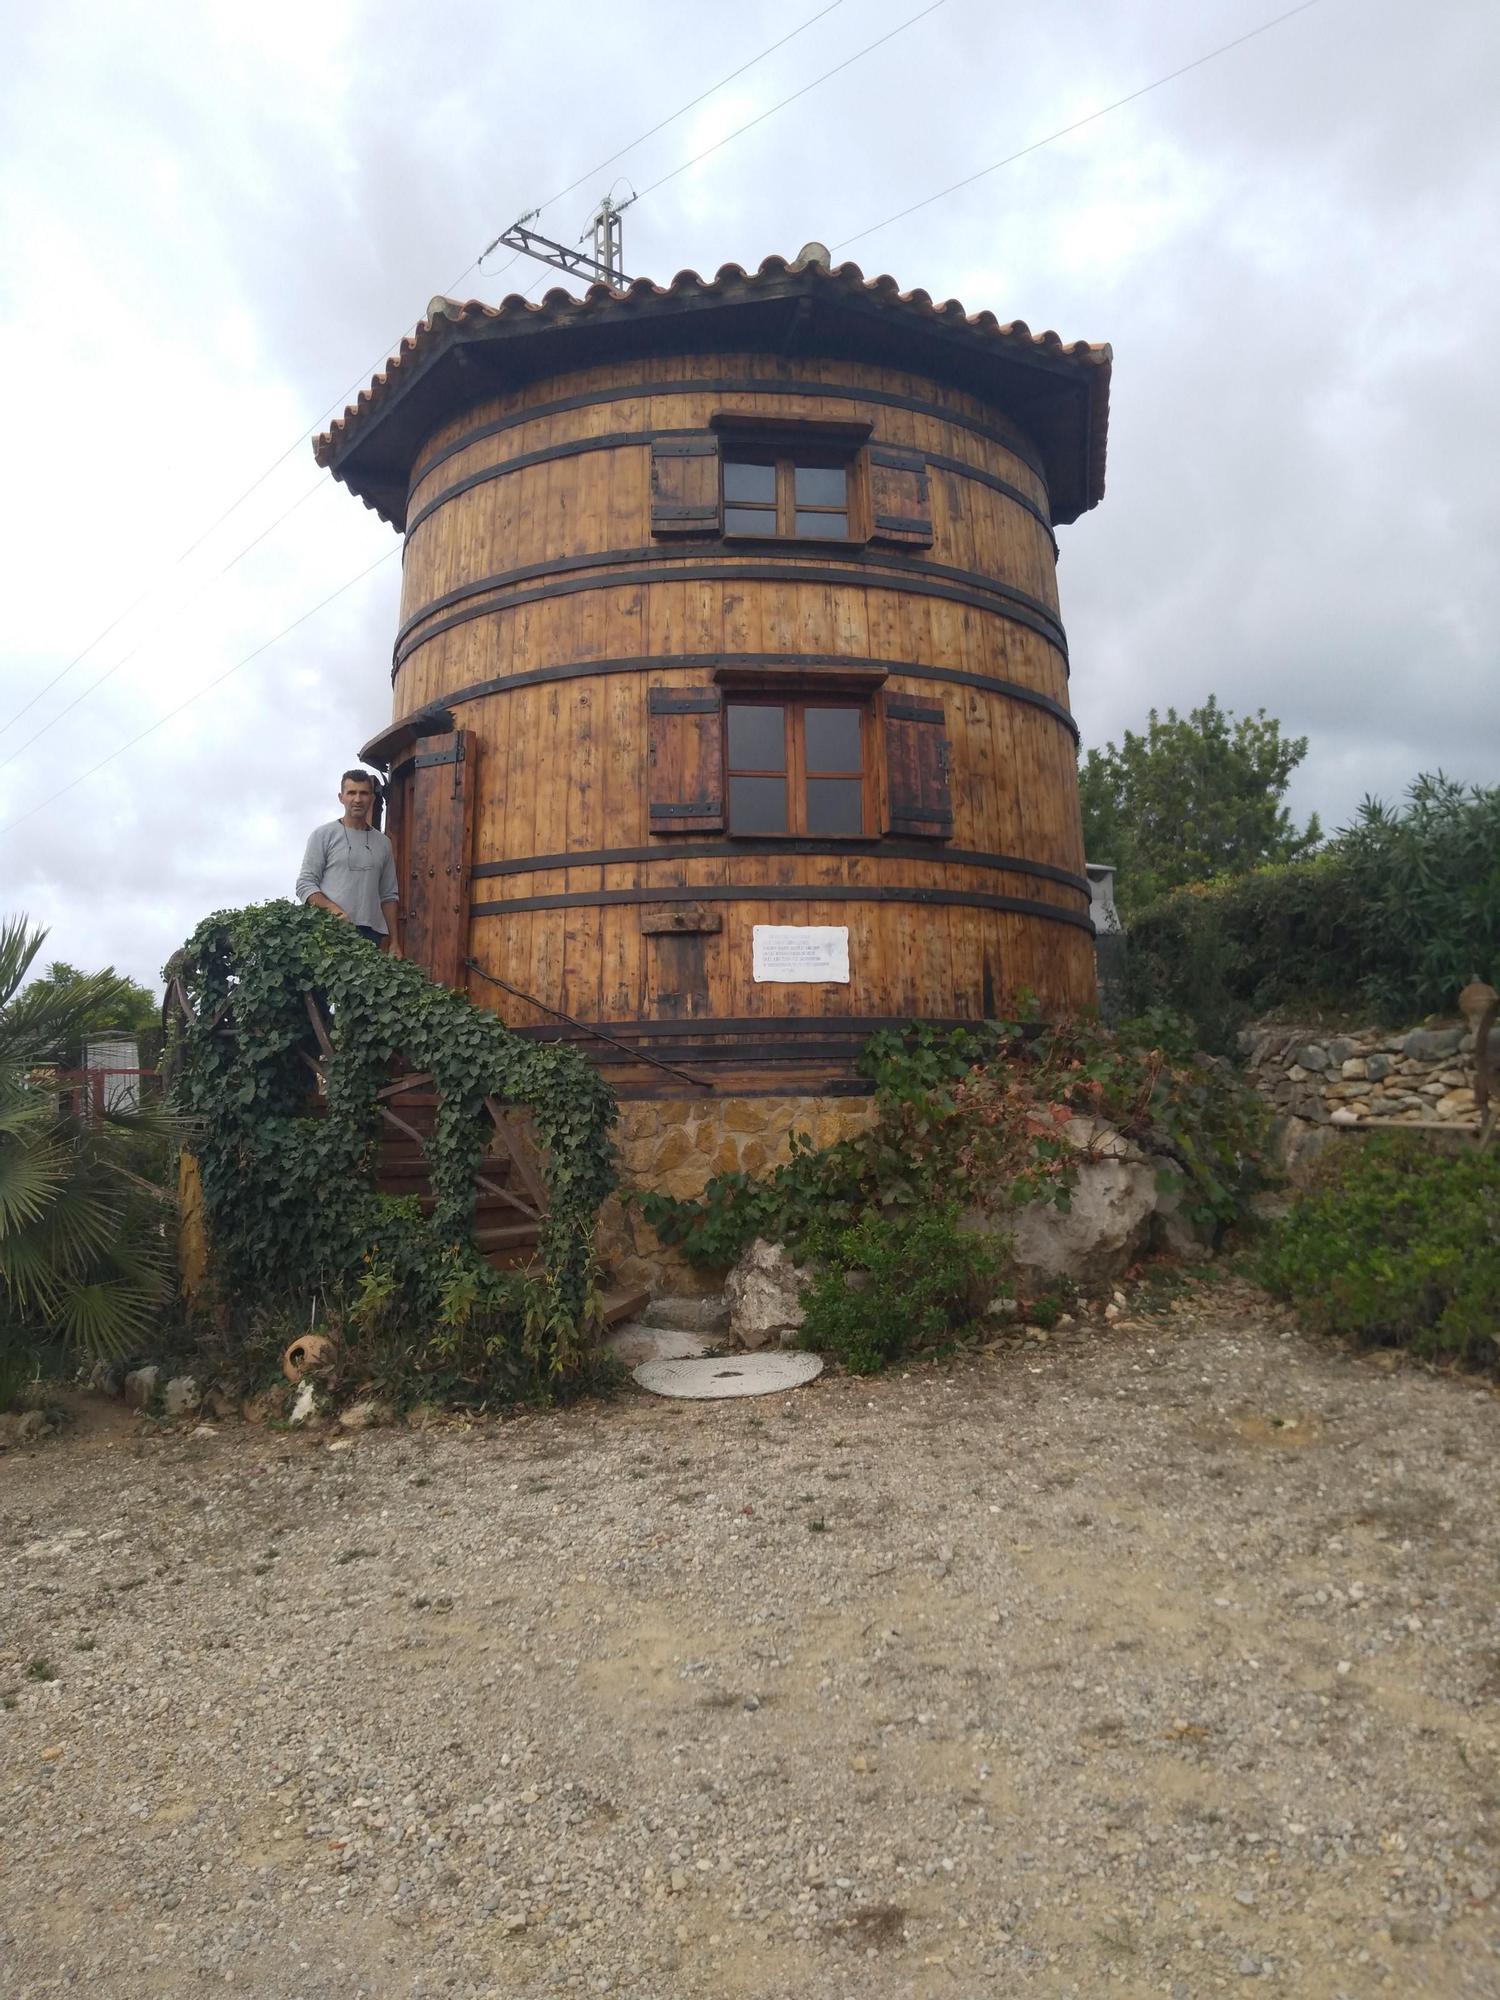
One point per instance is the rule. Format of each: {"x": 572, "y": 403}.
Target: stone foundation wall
{"x": 676, "y": 1145}
{"x": 1370, "y": 1079}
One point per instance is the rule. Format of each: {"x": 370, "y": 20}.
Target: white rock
{"x": 306, "y": 1403}
{"x": 141, "y": 1386}
{"x": 1099, "y": 1233}
{"x": 363, "y": 1416}
{"x": 1344, "y": 1116}
{"x": 181, "y": 1396}
{"x": 763, "y": 1291}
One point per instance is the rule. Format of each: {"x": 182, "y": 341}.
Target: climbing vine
{"x": 979, "y": 1117}
{"x": 290, "y": 1194}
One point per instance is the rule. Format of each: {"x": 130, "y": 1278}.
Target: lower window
{"x": 796, "y": 767}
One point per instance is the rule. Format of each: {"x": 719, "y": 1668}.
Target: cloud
{"x": 219, "y": 222}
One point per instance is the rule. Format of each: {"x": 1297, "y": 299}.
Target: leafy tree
{"x": 83, "y": 1255}
{"x": 1193, "y": 798}
{"x": 123, "y": 1006}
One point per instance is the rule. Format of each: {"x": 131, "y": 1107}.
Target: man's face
{"x": 357, "y": 801}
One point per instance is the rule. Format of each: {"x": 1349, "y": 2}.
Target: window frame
{"x": 785, "y": 511}
{"x": 787, "y": 443}
{"x": 794, "y": 704}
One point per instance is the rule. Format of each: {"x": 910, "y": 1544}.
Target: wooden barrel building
{"x": 730, "y": 715}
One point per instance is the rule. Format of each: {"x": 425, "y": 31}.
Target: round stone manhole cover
{"x": 729, "y": 1375}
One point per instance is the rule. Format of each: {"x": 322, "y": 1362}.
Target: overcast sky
{"x": 219, "y": 219}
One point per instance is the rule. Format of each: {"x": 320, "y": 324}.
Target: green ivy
{"x": 976, "y": 1116}
{"x": 290, "y": 1194}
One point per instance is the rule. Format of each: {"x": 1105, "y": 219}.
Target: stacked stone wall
{"x": 1370, "y": 1079}
{"x": 676, "y": 1146}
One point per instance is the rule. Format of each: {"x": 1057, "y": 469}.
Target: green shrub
{"x": 83, "y": 1253}
{"x": 975, "y": 1120}
{"x": 919, "y": 1282}
{"x": 1397, "y": 1246}
{"x": 1391, "y": 918}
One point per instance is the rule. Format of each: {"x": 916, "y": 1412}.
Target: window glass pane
{"x": 757, "y": 805}
{"x": 822, "y": 524}
{"x": 821, "y": 485}
{"x": 835, "y": 805}
{"x": 753, "y": 482}
{"x": 832, "y": 739}
{"x": 749, "y": 520}
{"x": 757, "y": 737}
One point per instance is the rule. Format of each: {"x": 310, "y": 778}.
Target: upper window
{"x": 796, "y": 767}
{"x": 801, "y": 495}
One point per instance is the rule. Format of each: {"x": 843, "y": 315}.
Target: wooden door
{"x": 437, "y": 834}
{"x": 395, "y": 821}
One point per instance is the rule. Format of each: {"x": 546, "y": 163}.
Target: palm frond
{"x": 30, "y": 1279}
{"x": 106, "y": 1317}
{"x": 25, "y": 1112}
{"x": 19, "y": 945}
{"x": 85, "y": 1220}
{"x": 31, "y": 1178}
{"x": 84, "y": 1249}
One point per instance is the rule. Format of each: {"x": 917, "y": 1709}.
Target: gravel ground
{"x": 1156, "y": 1660}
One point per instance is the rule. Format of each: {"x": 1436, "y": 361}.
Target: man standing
{"x": 349, "y": 867}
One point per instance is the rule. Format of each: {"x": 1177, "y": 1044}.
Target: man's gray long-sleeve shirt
{"x": 354, "y": 867}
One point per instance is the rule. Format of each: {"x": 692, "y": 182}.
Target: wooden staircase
{"x": 510, "y": 1184}
{"x": 510, "y": 1197}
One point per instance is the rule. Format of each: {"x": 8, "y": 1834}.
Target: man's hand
{"x": 322, "y": 902}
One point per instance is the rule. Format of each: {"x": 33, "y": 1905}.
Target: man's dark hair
{"x": 361, "y": 778}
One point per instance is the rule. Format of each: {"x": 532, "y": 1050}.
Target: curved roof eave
{"x": 1065, "y": 385}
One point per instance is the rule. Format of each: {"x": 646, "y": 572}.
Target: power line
{"x": 319, "y": 486}
{"x": 207, "y": 688}
{"x": 359, "y": 382}
{"x": 680, "y": 112}
{"x": 1078, "y": 123}
{"x": 868, "y": 49}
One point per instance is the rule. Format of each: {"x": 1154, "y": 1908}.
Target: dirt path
{"x": 1163, "y": 1661}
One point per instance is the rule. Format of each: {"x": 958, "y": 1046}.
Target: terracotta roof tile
{"x": 561, "y": 308}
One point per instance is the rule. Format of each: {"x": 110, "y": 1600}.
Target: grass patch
{"x": 39, "y": 1670}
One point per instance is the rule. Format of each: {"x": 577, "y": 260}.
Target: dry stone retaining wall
{"x": 1370, "y": 1079}
{"x": 676, "y": 1145}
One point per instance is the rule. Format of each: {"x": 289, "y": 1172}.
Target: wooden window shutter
{"x": 900, "y": 512}
{"x": 437, "y": 846}
{"x": 687, "y": 760}
{"x": 685, "y": 484}
{"x": 916, "y": 767}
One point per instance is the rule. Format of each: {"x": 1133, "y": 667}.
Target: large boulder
{"x": 1102, "y": 1230}
{"x": 763, "y": 1291}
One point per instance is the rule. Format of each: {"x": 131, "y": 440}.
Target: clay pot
{"x": 309, "y": 1354}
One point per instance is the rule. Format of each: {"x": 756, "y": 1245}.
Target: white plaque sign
{"x": 806, "y": 954}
